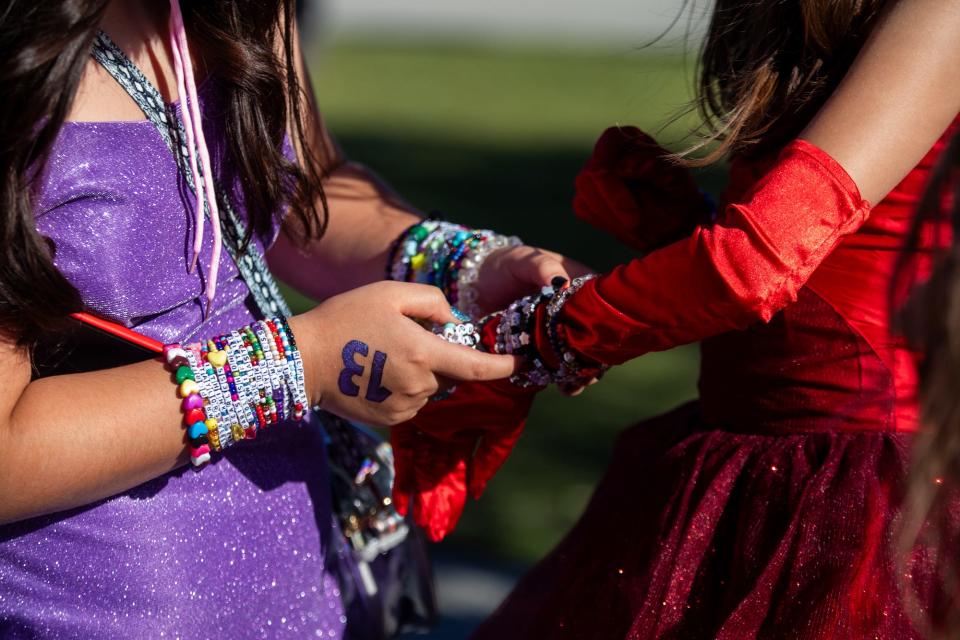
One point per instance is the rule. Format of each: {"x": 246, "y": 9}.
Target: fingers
{"x": 574, "y": 268}
{"x": 540, "y": 267}
{"x": 465, "y": 364}
{"x": 422, "y": 302}
{"x": 571, "y": 391}
{"x": 575, "y": 389}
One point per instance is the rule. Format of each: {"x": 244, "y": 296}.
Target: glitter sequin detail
{"x": 251, "y": 264}
{"x": 241, "y": 550}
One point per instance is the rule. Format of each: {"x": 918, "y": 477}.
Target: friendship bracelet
{"x": 294, "y": 369}
{"x": 276, "y": 394}
{"x": 269, "y": 361}
{"x": 517, "y": 328}
{"x": 232, "y": 386}
{"x": 208, "y": 389}
{"x": 570, "y": 364}
{"x": 192, "y": 402}
{"x": 214, "y": 407}
{"x": 448, "y": 256}
{"x": 470, "y": 271}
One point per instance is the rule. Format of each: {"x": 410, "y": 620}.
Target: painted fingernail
{"x": 459, "y": 315}
{"x": 557, "y": 282}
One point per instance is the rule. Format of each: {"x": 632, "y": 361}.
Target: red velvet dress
{"x": 763, "y": 509}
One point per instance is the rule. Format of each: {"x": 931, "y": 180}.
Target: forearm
{"x": 74, "y": 439}
{"x": 70, "y": 440}
{"x": 726, "y": 276}
{"x": 365, "y": 217}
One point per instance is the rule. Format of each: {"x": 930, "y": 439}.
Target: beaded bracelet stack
{"x": 460, "y": 333}
{"x": 516, "y": 329}
{"x": 236, "y": 384}
{"x": 448, "y": 256}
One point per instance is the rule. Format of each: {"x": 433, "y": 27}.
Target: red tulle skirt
{"x": 714, "y": 534}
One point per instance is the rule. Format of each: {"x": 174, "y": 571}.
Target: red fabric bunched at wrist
{"x": 631, "y": 189}
{"x": 453, "y": 447}
{"x": 742, "y": 269}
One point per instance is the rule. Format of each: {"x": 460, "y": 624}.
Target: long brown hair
{"x": 926, "y": 299}
{"x": 45, "y": 46}
{"x": 766, "y": 67}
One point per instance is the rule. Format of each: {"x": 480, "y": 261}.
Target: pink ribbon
{"x": 196, "y": 143}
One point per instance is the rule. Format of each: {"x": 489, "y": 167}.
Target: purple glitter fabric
{"x": 237, "y": 550}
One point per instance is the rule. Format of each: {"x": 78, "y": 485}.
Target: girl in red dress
{"x": 762, "y": 510}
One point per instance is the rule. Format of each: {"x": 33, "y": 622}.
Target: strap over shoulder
{"x": 250, "y": 262}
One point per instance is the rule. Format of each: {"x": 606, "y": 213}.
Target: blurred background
{"x": 486, "y": 111}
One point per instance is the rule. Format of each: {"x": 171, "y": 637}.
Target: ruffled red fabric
{"x": 453, "y": 447}
{"x": 630, "y": 189}
{"x": 699, "y": 534}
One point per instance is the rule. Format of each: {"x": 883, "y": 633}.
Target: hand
{"x": 513, "y": 272}
{"x": 366, "y": 359}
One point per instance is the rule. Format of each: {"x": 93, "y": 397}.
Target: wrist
{"x": 448, "y": 256}
{"x": 311, "y": 350}
{"x": 531, "y": 327}
{"x": 236, "y": 384}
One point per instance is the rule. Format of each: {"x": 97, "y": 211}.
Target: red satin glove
{"x": 740, "y": 270}
{"x": 454, "y": 446}
{"x": 629, "y": 188}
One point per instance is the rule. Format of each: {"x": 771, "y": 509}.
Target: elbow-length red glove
{"x": 744, "y": 268}
{"x": 454, "y": 446}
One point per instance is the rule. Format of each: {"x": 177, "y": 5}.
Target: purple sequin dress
{"x": 239, "y": 550}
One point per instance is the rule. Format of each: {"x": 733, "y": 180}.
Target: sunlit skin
{"x": 898, "y": 98}
{"x": 52, "y": 431}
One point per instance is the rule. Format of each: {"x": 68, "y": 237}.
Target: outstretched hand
{"x": 513, "y": 272}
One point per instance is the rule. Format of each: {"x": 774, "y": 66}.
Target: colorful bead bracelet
{"x": 448, "y": 256}
{"x": 518, "y": 326}
{"x": 232, "y": 386}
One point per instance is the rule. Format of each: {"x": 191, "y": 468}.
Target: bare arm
{"x": 366, "y": 215}
{"x": 70, "y": 440}
{"x": 890, "y": 109}
{"x": 899, "y": 96}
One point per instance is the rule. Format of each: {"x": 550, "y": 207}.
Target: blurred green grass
{"x": 493, "y": 137}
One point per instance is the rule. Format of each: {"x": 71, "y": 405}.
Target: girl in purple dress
{"x": 105, "y": 530}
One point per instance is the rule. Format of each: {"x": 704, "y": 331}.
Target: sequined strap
{"x": 250, "y": 263}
